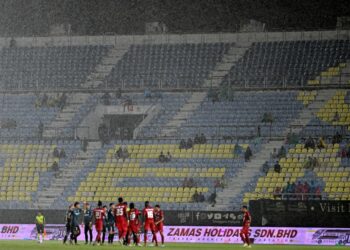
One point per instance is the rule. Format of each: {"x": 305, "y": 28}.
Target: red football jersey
{"x": 158, "y": 215}
{"x": 148, "y": 214}
{"x": 246, "y": 218}
{"x": 99, "y": 214}
{"x": 120, "y": 213}
{"x": 134, "y": 215}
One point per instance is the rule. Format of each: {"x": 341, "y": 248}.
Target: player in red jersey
{"x": 121, "y": 219}
{"x": 134, "y": 224}
{"x": 99, "y": 214}
{"x": 159, "y": 223}
{"x": 148, "y": 224}
{"x": 246, "y": 224}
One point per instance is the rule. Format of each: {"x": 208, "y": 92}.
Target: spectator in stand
{"x": 312, "y": 187}
{"x": 277, "y": 192}
{"x": 62, "y": 153}
{"x": 315, "y": 163}
{"x": 237, "y": 149}
{"x": 212, "y": 199}
{"x": 189, "y": 143}
{"x": 289, "y": 188}
{"x": 168, "y": 157}
{"x": 336, "y": 117}
{"x": 310, "y": 143}
{"x": 259, "y": 131}
{"x": 106, "y": 99}
{"x": 161, "y": 157}
{"x": 195, "y": 197}
{"x": 277, "y": 167}
{"x": 293, "y": 188}
{"x": 265, "y": 167}
{"x": 321, "y": 144}
{"x": 274, "y": 154}
{"x": 299, "y": 188}
{"x": 318, "y": 194}
{"x": 348, "y": 152}
{"x": 306, "y": 190}
{"x": 196, "y": 139}
{"x": 308, "y": 163}
{"x": 311, "y": 163}
{"x": 202, "y": 139}
{"x": 343, "y": 153}
{"x": 118, "y": 153}
{"x": 103, "y": 134}
{"x": 282, "y": 152}
{"x": 223, "y": 182}
{"x": 337, "y": 138}
{"x": 182, "y": 144}
{"x": 85, "y": 144}
{"x": 56, "y": 153}
{"x": 40, "y": 129}
{"x": 118, "y": 94}
{"x": 147, "y": 94}
{"x": 248, "y": 154}
{"x": 201, "y": 197}
{"x": 217, "y": 183}
{"x": 55, "y": 168}
{"x": 62, "y": 101}
{"x": 125, "y": 152}
{"x": 127, "y": 103}
{"x": 44, "y": 100}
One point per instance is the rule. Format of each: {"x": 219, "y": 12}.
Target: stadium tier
{"x": 224, "y": 116}
{"x": 48, "y": 67}
{"x": 328, "y": 175}
{"x": 28, "y": 167}
{"x": 20, "y": 115}
{"x": 167, "y": 65}
{"x": 288, "y": 62}
{"x": 141, "y": 176}
{"x": 243, "y": 114}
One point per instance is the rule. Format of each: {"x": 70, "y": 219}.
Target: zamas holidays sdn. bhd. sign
{"x": 202, "y": 234}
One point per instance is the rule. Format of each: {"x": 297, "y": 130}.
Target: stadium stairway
{"x": 186, "y": 111}
{"x": 65, "y": 176}
{"x": 222, "y": 68}
{"x": 237, "y": 184}
{"x": 65, "y": 116}
{"x": 310, "y": 111}
{"x": 103, "y": 69}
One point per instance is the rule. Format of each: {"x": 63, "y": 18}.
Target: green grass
{"x": 55, "y": 245}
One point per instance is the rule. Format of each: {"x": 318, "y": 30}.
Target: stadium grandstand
{"x": 159, "y": 93}
{"x": 197, "y": 122}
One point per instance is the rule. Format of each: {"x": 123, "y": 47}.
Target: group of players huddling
{"x": 126, "y": 219}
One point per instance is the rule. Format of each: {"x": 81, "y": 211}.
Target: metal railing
{"x": 300, "y": 196}
{"x": 28, "y": 132}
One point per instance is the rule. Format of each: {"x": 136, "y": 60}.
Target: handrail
{"x": 302, "y": 196}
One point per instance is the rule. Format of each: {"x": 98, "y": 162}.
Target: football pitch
{"x": 55, "y": 245}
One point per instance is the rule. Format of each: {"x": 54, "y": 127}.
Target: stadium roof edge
{"x": 124, "y": 40}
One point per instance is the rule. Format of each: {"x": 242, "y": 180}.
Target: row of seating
{"x": 287, "y": 62}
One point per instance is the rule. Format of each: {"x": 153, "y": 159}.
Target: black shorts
{"x": 110, "y": 227}
{"x": 40, "y": 228}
